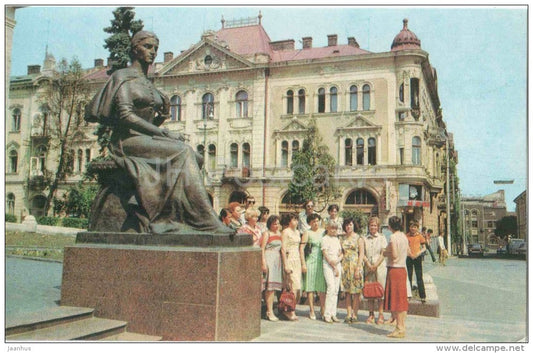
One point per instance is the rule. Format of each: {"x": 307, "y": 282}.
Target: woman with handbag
{"x": 353, "y": 248}
{"x": 375, "y": 267}
{"x": 272, "y": 265}
{"x": 312, "y": 267}
{"x": 292, "y": 256}
{"x": 396, "y": 284}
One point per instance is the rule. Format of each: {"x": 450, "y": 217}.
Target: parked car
{"x": 501, "y": 250}
{"x": 522, "y": 249}
{"x": 475, "y": 249}
{"x": 514, "y": 244}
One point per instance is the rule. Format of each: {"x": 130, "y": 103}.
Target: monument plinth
{"x": 181, "y": 293}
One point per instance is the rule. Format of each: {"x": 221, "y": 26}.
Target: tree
{"x": 313, "y": 172}
{"x": 77, "y": 201}
{"x": 122, "y": 29}
{"x": 65, "y": 94}
{"x": 505, "y": 226}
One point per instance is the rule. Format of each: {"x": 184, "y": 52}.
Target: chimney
{"x": 352, "y": 42}
{"x": 34, "y": 69}
{"x": 307, "y": 42}
{"x": 168, "y": 56}
{"x": 287, "y": 44}
{"x": 98, "y": 62}
{"x": 332, "y": 40}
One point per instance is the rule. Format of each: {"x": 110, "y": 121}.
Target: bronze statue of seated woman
{"x": 155, "y": 185}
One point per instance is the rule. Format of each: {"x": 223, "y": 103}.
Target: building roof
{"x": 247, "y": 40}
{"x": 405, "y": 39}
{"x": 317, "y": 53}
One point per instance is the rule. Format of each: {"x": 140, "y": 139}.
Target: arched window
{"x": 16, "y": 116}
{"x": 353, "y": 98}
{"x": 372, "y": 151}
{"x": 87, "y": 155}
{"x": 175, "y": 108}
{"x": 37, "y": 206}
{"x": 208, "y": 106}
{"x": 40, "y": 155}
{"x": 301, "y": 101}
{"x": 241, "y": 99}
{"x": 366, "y": 97}
{"x": 290, "y": 102}
{"x": 360, "y": 151}
{"x": 70, "y": 161}
{"x": 400, "y": 94}
{"x": 10, "y": 203}
{"x": 417, "y": 144}
{"x": 80, "y": 160}
{"x": 234, "y": 155}
{"x": 13, "y": 161}
{"x": 201, "y": 150}
{"x": 321, "y": 100}
{"x": 414, "y": 93}
{"x": 333, "y": 99}
{"x": 246, "y": 155}
{"x": 212, "y": 153}
{"x": 348, "y": 152}
{"x": 295, "y": 147}
{"x": 363, "y": 200}
{"x": 284, "y": 153}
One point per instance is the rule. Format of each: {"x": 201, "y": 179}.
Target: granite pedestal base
{"x": 177, "y": 292}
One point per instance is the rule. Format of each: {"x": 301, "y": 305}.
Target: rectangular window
{"x": 401, "y": 155}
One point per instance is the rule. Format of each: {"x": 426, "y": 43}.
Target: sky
{"x": 480, "y": 54}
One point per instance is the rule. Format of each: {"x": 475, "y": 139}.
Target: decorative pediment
{"x": 12, "y": 145}
{"x": 359, "y": 123}
{"x": 293, "y": 128}
{"x": 80, "y": 136}
{"x": 206, "y": 56}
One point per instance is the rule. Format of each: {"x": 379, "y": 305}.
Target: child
{"x": 331, "y": 264}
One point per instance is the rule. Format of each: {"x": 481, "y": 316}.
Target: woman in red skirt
{"x": 395, "y": 287}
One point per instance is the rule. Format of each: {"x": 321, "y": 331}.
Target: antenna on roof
{"x": 222, "y": 21}
{"x": 260, "y": 16}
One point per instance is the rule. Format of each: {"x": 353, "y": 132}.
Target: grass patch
{"x": 46, "y": 246}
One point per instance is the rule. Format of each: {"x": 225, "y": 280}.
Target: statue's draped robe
{"x": 170, "y": 195}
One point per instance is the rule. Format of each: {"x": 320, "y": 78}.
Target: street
{"x": 481, "y": 300}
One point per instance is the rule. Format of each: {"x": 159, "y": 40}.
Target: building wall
{"x": 268, "y": 124}
{"x": 521, "y": 215}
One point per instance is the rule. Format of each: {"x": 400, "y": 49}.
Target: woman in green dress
{"x": 353, "y": 248}
{"x": 312, "y": 268}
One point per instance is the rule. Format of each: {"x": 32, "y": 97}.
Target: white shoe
{"x": 328, "y": 320}
{"x": 334, "y": 319}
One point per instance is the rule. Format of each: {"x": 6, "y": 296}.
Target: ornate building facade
{"x": 480, "y": 215}
{"x": 246, "y": 102}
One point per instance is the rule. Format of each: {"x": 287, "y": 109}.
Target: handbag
{"x": 287, "y": 301}
{"x": 373, "y": 290}
{"x": 307, "y": 249}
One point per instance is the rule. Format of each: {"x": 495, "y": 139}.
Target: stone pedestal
{"x": 181, "y": 293}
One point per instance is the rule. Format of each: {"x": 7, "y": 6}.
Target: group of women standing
{"x": 328, "y": 257}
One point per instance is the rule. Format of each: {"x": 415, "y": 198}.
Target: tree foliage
{"x": 65, "y": 95}
{"x": 505, "y": 226}
{"x": 123, "y": 27}
{"x": 77, "y": 201}
{"x": 313, "y": 172}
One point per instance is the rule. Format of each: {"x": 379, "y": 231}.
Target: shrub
{"x": 11, "y": 218}
{"x": 358, "y": 216}
{"x": 71, "y": 222}
{"x": 48, "y": 221}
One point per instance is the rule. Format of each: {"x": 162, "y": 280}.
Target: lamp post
{"x": 448, "y": 226}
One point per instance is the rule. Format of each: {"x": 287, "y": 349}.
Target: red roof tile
{"x": 317, "y": 53}
{"x": 245, "y": 40}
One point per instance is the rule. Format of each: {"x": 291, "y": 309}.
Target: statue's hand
{"x": 172, "y": 135}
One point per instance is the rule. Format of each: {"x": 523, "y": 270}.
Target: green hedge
{"x": 11, "y": 218}
{"x": 48, "y": 221}
{"x": 72, "y": 222}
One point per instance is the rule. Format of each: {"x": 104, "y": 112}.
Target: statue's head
{"x": 138, "y": 44}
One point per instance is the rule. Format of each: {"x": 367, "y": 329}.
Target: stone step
{"x": 86, "y": 329}
{"x": 26, "y": 322}
{"x": 132, "y": 337}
